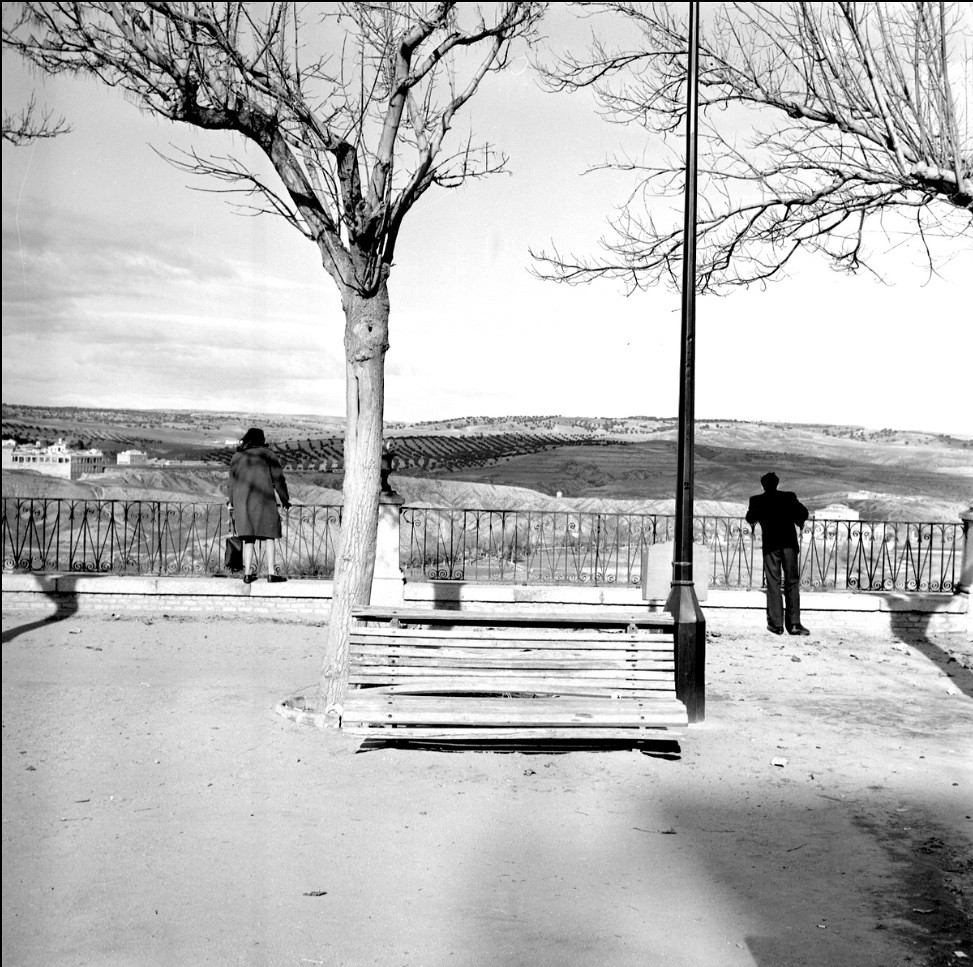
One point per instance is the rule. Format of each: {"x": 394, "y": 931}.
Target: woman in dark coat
{"x": 256, "y": 481}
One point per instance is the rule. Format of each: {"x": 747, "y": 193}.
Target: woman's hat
{"x": 254, "y": 437}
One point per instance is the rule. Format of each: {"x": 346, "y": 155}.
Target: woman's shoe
{"x": 276, "y": 578}
{"x": 249, "y": 578}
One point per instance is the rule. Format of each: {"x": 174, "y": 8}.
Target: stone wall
{"x": 904, "y": 615}
{"x": 65, "y": 595}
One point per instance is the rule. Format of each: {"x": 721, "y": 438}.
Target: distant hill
{"x": 160, "y": 432}
{"x": 729, "y": 475}
{"x": 145, "y": 483}
{"x": 627, "y": 465}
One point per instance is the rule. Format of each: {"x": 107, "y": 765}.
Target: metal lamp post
{"x": 690, "y": 625}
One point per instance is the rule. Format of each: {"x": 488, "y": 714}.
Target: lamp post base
{"x": 689, "y": 632}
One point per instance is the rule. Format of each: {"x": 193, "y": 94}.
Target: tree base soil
{"x": 156, "y": 811}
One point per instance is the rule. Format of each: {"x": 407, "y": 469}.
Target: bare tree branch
{"x": 30, "y": 125}
{"x": 818, "y": 121}
{"x": 331, "y": 124}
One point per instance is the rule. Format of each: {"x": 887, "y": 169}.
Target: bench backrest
{"x": 513, "y": 661}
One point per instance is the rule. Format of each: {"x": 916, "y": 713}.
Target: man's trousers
{"x": 784, "y": 560}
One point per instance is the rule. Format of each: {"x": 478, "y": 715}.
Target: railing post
{"x": 158, "y": 536}
{"x": 966, "y": 567}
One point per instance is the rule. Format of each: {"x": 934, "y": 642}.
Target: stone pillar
{"x": 388, "y": 584}
{"x": 966, "y": 567}
{"x": 657, "y": 570}
{"x": 966, "y": 570}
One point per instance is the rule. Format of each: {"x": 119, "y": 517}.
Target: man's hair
{"x": 769, "y": 481}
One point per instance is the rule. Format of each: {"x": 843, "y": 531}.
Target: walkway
{"x": 156, "y": 811}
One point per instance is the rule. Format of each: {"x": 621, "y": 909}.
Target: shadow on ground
{"x": 800, "y": 883}
{"x": 64, "y": 597}
{"x": 918, "y": 638}
{"x": 667, "y": 749}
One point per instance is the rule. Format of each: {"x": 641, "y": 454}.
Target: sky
{"x": 126, "y": 286}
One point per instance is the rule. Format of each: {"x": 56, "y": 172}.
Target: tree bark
{"x": 366, "y": 342}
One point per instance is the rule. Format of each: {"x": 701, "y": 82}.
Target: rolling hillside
{"x": 554, "y": 461}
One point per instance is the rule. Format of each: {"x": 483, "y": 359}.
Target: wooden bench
{"x": 455, "y": 676}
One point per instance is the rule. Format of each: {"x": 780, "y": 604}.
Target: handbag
{"x": 233, "y": 552}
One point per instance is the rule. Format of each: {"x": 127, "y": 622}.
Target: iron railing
{"x": 152, "y": 537}
{"x": 881, "y": 555}
{"x": 542, "y": 547}
{"x": 476, "y": 545}
{"x": 527, "y": 547}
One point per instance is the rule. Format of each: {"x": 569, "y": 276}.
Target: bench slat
{"x": 545, "y": 712}
{"x": 553, "y": 674}
{"x": 520, "y": 663}
{"x": 507, "y": 681}
{"x": 441, "y": 716}
{"x": 519, "y": 687}
{"x": 511, "y": 648}
{"x": 466, "y": 685}
{"x": 574, "y": 636}
{"x": 501, "y": 679}
{"x": 367, "y": 699}
{"x": 518, "y": 659}
{"x": 490, "y": 734}
{"x": 511, "y": 617}
{"x": 517, "y": 634}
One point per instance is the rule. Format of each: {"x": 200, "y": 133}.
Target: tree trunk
{"x": 366, "y": 341}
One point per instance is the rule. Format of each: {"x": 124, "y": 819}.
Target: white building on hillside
{"x": 56, "y": 460}
{"x": 837, "y": 512}
{"x": 133, "y": 458}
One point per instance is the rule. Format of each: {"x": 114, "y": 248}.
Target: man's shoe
{"x": 276, "y": 578}
{"x": 798, "y": 630}
{"x": 775, "y": 631}
{"x": 249, "y": 578}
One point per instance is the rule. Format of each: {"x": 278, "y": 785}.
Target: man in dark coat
{"x": 256, "y": 484}
{"x": 779, "y": 512}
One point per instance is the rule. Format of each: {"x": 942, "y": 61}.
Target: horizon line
{"x": 512, "y": 417}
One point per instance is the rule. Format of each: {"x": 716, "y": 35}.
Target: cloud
{"x": 58, "y": 259}
{"x": 104, "y": 308}
{"x": 132, "y": 373}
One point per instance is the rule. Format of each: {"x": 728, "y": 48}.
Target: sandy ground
{"x": 157, "y": 811}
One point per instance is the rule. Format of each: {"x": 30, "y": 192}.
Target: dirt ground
{"x": 157, "y": 812}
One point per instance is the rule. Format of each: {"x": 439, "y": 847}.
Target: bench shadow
{"x": 64, "y": 596}
{"x": 918, "y": 637}
{"x": 666, "y": 749}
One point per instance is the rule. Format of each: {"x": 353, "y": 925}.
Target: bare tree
{"x": 31, "y": 125}
{"x": 818, "y": 120}
{"x": 352, "y": 110}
